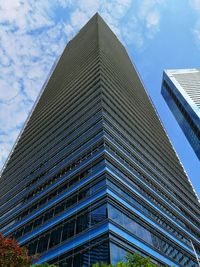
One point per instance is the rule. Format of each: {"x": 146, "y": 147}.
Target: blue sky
{"x": 158, "y": 34}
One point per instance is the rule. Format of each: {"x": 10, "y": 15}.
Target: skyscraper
{"x": 181, "y": 91}
{"x": 93, "y": 174}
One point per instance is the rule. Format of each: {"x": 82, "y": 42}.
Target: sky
{"x": 158, "y": 35}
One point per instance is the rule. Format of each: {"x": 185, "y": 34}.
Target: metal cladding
{"x": 93, "y": 174}
{"x": 181, "y": 91}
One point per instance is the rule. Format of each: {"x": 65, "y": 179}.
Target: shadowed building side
{"x": 181, "y": 91}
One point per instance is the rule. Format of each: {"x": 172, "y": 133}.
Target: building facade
{"x": 93, "y": 175}
{"x": 181, "y": 91}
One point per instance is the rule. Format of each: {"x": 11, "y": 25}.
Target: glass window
{"x": 71, "y": 201}
{"x": 115, "y": 215}
{"x": 71, "y": 228}
{"x": 42, "y": 201}
{"x": 55, "y": 237}
{"x": 32, "y": 247}
{"x": 64, "y": 232}
{"x": 42, "y": 244}
{"x": 59, "y": 208}
{"x": 78, "y": 260}
{"x": 37, "y": 222}
{"x": 155, "y": 241}
{"x": 130, "y": 224}
{"x": 19, "y": 233}
{"x": 95, "y": 187}
{"x": 33, "y": 208}
{"x": 83, "y": 194}
{"x": 99, "y": 253}
{"x": 49, "y": 215}
{"x": 28, "y": 228}
{"x": 98, "y": 215}
{"x": 76, "y": 225}
{"x": 82, "y": 223}
{"x": 85, "y": 255}
{"x": 116, "y": 253}
{"x": 73, "y": 180}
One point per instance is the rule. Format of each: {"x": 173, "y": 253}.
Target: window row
{"x": 61, "y": 173}
{"x": 54, "y": 192}
{"x": 66, "y": 147}
{"x": 169, "y": 161}
{"x": 149, "y": 213}
{"x": 96, "y": 250}
{"x": 149, "y": 170}
{"x": 62, "y": 188}
{"x": 131, "y": 225}
{"x": 68, "y": 229}
{"x": 130, "y": 166}
{"x": 144, "y": 119}
{"x": 175, "y": 205}
{"x": 59, "y": 208}
{"x": 147, "y": 194}
{"x": 164, "y": 167}
{"x": 86, "y": 155}
{"x": 145, "y": 152}
{"x": 133, "y": 167}
{"x": 59, "y": 159}
{"x": 117, "y": 253}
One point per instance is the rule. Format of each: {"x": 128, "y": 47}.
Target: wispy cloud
{"x": 195, "y": 4}
{"x": 33, "y": 34}
{"x": 132, "y": 21}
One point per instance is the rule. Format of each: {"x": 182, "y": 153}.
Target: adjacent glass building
{"x": 181, "y": 91}
{"x": 93, "y": 174}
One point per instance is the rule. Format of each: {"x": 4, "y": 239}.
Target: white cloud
{"x": 13, "y": 113}
{"x": 132, "y": 32}
{"x": 25, "y": 15}
{"x": 89, "y": 7}
{"x": 143, "y": 24}
{"x": 152, "y": 19}
{"x": 195, "y": 4}
{"x": 64, "y": 3}
{"x": 69, "y": 31}
{"x": 113, "y": 12}
{"x": 8, "y": 90}
{"x": 196, "y": 32}
{"x": 149, "y": 14}
{"x": 78, "y": 18}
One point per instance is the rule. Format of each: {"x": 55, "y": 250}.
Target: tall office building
{"x": 93, "y": 174}
{"x": 181, "y": 91}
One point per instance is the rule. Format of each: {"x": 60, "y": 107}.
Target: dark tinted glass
{"x": 55, "y": 237}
